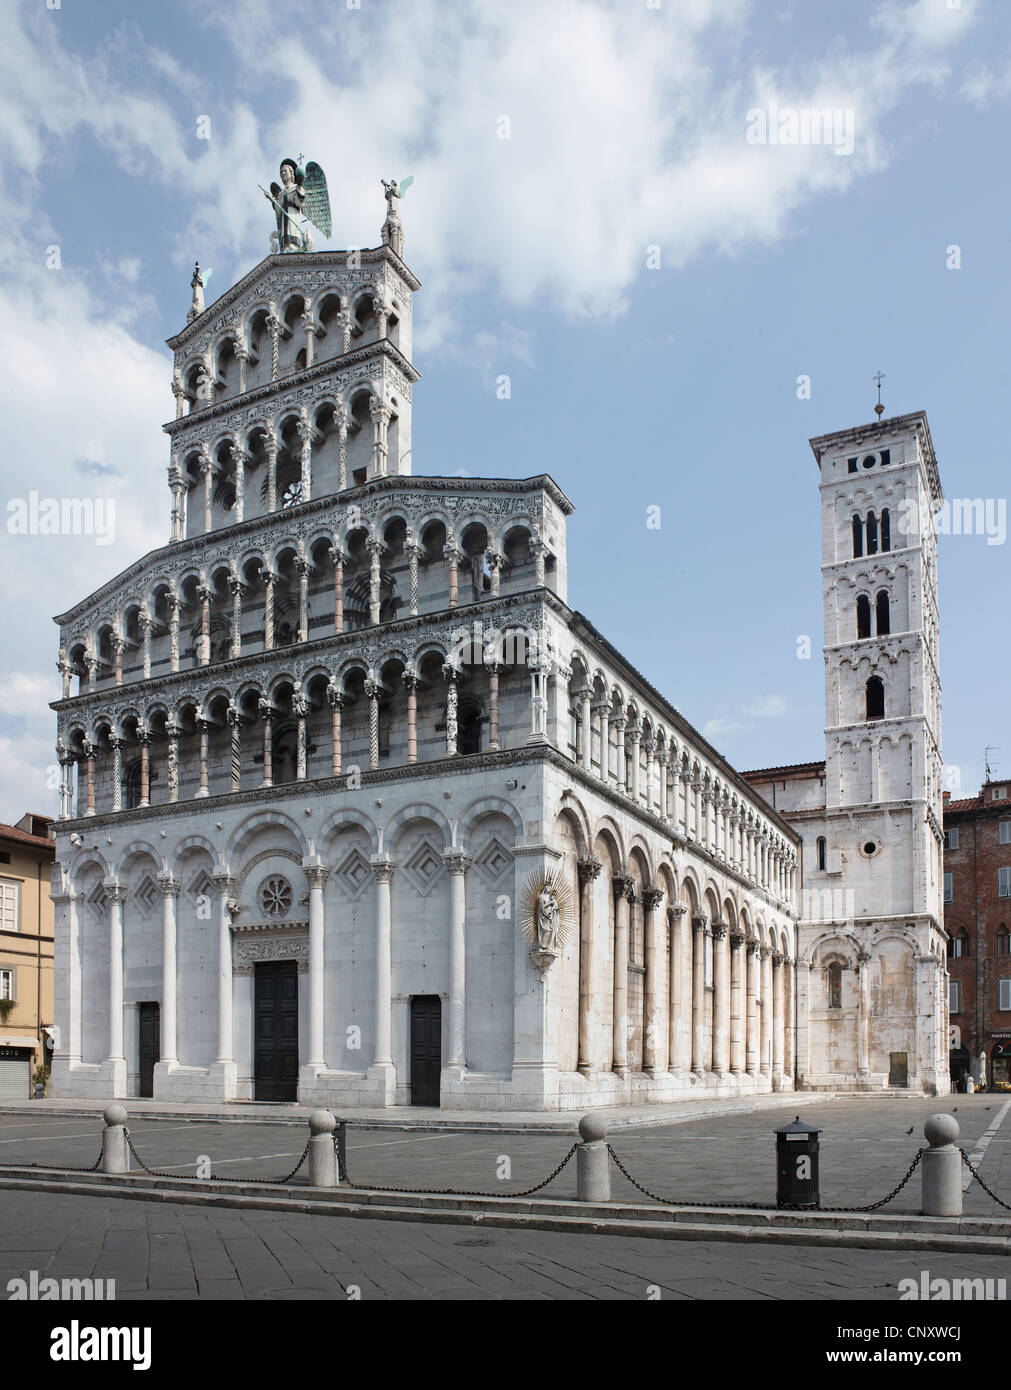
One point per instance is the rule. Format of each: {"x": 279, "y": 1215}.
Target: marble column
{"x": 89, "y": 764}
{"x": 375, "y": 549}
{"x": 604, "y": 711}
{"x": 863, "y": 1013}
{"x": 383, "y": 1003}
{"x": 316, "y": 873}
{"x": 493, "y": 679}
{"x": 453, "y": 555}
{"x": 651, "y": 900}
{"x": 336, "y": 699}
{"x": 721, "y": 999}
{"x": 765, "y": 1062}
{"x": 589, "y": 871}
{"x": 266, "y": 712}
{"x": 302, "y": 570}
{"x": 456, "y": 1044}
{"x": 172, "y": 732}
{"x": 585, "y": 728}
{"x": 777, "y": 1015}
{"x": 235, "y": 585}
{"x": 300, "y": 709}
{"x": 225, "y": 885}
{"x": 115, "y": 893}
{"x": 753, "y": 1048}
{"x": 170, "y": 888}
{"x": 204, "y": 597}
{"x": 699, "y": 1059}
{"x": 234, "y": 719}
{"x": 624, "y": 892}
{"x": 116, "y": 744}
{"x": 372, "y": 695}
{"x": 338, "y": 559}
{"x": 450, "y": 674}
{"x": 738, "y": 1003}
{"x": 413, "y": 555}
{"x": 410, "y": 680}
{"x": 205, "y": 725}
{"x": 676, "y": 1036}
{"x": 172, "y": 603}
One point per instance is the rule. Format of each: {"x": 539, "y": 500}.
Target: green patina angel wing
{"x": 317, "y": 199}
{"x": 405, "y": 184}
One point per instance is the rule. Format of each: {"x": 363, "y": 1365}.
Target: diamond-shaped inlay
{"x": 98, "y": 899}
{"x": 494, "y": 862}
{"x": 202, "y": 886}
{"x": 425, "y": 867}
{"x": 145, "y": 895}
{"x": 354, "y": 873}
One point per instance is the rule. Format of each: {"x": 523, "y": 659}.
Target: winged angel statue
{"x": 300, "y": 192}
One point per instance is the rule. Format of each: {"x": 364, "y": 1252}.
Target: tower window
{"x": 1003, "y": 941}
{"x": 875, "y": 698}
{"x": 863, "y": 616}
{"x": 821, "y": 851}
{"x": 886, "y": 457}
{"x": 851, "y": 465}
{"x": 872, "y": 534}
{"x": 886, "y": 529}
{"x": 870, "y": 460}
{"x": 858, "y": 537}
{"x": 883, "y": 616}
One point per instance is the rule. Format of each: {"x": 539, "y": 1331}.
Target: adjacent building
{"x": 977, "y": 913}
{"x": 27, "y": 852}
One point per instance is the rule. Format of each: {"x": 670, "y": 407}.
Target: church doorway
{"x": 275, "y": 1010}
{"x": 150, "y": 1045}
{"x": 426, "y": 1049}
{"x": 898, "y": 1069}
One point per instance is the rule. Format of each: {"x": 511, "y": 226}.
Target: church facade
{"x": 356, "y": 808}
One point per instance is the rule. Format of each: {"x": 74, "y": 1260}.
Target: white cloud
{"x": 768, "y": 707}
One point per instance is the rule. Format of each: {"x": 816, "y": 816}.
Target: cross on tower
{"x": 879, "y": 409}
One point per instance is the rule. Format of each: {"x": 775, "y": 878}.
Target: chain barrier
{"x": 59, "y": 1167}
{"x": 764, "y": 1206}
{"x": 340, "y": 1149}
{"x": 989, "y": 1192}
{"x": 212, "y": 1177}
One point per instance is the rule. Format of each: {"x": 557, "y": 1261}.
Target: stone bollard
{"x": 322, "y": 1156}
{"x": 593, "y": 1162}
{"x": 942, "y": 1168}
{"x": 115, "y": 1155}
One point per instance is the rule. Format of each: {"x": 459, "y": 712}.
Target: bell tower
{"x": 879, "y": 850}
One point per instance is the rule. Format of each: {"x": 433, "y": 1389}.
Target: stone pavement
{"x": 168, "y": 1252}
{"x": 865, "y": 1150}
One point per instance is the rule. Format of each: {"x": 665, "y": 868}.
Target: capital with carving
{"x": 699, "y": 921}
{"x": 624, "y": 887}
{"x": 652, "y": 898}
{"x": 457, "y": 861}
{"x": 589, "y": 870}
{"x": 383, "y": 869}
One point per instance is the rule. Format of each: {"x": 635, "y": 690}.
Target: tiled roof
{"x": 11, "y": 832}
{"x": 784, "y": 771}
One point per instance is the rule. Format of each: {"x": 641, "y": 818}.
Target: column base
{"x": 224, "y": 1077}
{"x": 384, "y": 1076}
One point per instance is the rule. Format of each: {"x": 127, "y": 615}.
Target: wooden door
{"x": 150, "y": 1045}
{"x": 275, "y": 1051}
{"x": 426, "y": 1049}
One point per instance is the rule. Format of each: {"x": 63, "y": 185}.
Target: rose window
{"x": 292, "y": 495}
{"x": 276, "y": 896}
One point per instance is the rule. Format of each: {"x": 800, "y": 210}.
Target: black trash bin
{"x": 797, "y": 1165}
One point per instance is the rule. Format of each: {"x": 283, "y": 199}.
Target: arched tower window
{"x": 863, "y": 616}
{"x": 872, "y": 534}
{"x": 1003, "y": 941}
{"x": 468, "y": 738}
{"x": 886, "y": 530}
{"x": 875, "y": 698}
{"x": 883, "y": 615}
{"x": 835, "y": 985}
{"x": 858, "y": 537}
{"x": 821, "y": 851}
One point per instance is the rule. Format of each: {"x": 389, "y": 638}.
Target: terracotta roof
{"x": 11, "y": 832}
{"x": 785, "y": 770}
{"x": 972, "y": 803}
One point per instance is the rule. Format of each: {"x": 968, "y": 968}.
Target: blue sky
{"x": 633, "y": 386}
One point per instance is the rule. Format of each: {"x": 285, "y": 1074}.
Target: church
{"x": 357, "y": 810}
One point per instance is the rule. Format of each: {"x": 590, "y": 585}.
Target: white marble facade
{"x": 346, "y": 718}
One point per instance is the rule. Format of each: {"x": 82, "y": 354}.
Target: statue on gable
{"x": 301, "y": 199}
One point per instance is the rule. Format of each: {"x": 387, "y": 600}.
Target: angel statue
{"x": 300, "y": 192}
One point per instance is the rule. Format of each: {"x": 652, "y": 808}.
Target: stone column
{"x": 66, "y": 672}
{"x": 777, "y": 1016}
{"x": 584, "y": 752}
{"x": 721, "y": 999}
{"x": 204, "y": 596}
{"x": 738, "y": 1003}
{"x": 493, "y": 674}
{"x": 242, "y": 357}
{"x": 268, "y": 578}
{"x": 383, "y": 1057}
{"x": 699, "y": 1059}
{"x": 316, "y": 874}
{"x": 205, "y": 725}
{"x": 66, "y": 763}
{"x": 661, "y": 763}
{"x": 89, "y": 763}
{"x": 495, "y": 562}
{"x": 802, "y": 984}
{"x": 753, "y": 1042}
{"x": 266, "y": 712}
{"x": 789, "y": 1021}
{"x": 311, "y": 328}
{"x": 700, "y": 834}
{"x": 145, "y": 623}
{"x": 115, "y": 894}
{"x": 765, "y": 1059}
{"x": 270, "y": 453}
{"x": 539, "y": 549}
{"x": 338, "y": 559}
{"x": 177, "y": 487}
{"x": 410, "y": 680}
{"x": 632, "y": 787}
{"x": 170, "y": 888}
{"x": 336, "y": 698}
{"x": 413, "y": 554}
{"x": 454, "y": 556}
{"x": 240, "y": 458}
{"x": 537, "y": 705}
{"x": 450, "y": 673}
{"x": 604, "y": 710}
{"x": 302, "y": 570}
{"x": 118, "y": 643}
{"x": 116, "y": 744}
{"x": 341, "y": 419}
{"x": 91, "y": 661}
{"x": 456, "y": 863}
{"x": 172, "y": 601}
{"x": 651, "y": 899}
{"x": 619, "y": 753}
{"x": 650, "y": 787}
{"x": 624, "y": 892}
{"x": 144, "y": 739}
{"x": 676, "y": 1060}
{"x": 207, "y": 473}
{"x": 372, "y": 695}
{"x": 300, "y": 709}
{"x": 343, "y": 322}
{"x": 172, "y": 732}
{"x": 225, "y": 884}
{"x": 863, "y": 1013}
{"x": 589, "y": 872}
{"x": 375, "y": 549}
{"x": 380, "y": 414}
{"x": 235, "y": 585}
{"x": 273, "y": 326}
